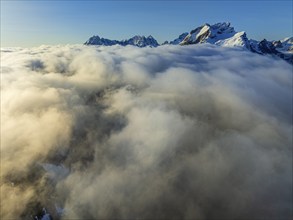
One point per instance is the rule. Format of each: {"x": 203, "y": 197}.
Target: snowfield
{"x": 173, "y": 132}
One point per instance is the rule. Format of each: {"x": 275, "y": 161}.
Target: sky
{"x": 33, "y": 23}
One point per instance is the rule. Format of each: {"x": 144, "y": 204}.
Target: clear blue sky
{"x": 32, "y": 23}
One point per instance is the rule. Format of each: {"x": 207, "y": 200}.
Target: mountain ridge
{"x": 220, "y": 34}
{"x": 137, "y": 40}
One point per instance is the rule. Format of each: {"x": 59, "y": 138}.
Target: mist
{"x": 173, "y": 132}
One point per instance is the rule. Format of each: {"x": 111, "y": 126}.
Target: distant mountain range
{"x": 221, "y": 34}
{"x": 139, "y": 41}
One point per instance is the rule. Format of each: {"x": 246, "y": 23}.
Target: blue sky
{"x": 33, "y": 23}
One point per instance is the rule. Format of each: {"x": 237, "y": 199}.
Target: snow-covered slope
{"x": 139, "y": 41}
{"x": 285, "y": 45}
{"x": 237, "y": 40}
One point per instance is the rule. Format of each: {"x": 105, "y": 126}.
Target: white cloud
{"x": 170, "y": 132}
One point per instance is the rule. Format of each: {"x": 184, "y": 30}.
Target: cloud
{"x": 197, "y": 132}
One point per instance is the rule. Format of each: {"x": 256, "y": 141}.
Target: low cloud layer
{"x": 197, "y": 132}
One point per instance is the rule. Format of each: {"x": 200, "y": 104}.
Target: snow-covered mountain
{"x": 206, "y": 33}
{"x": 221, "y": 34}
{"x": 139, "y": 41}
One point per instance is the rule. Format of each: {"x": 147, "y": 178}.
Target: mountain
{"x": 209, "y": 34}
{"x": 139, "y": 41}
{"x": 221, "y": 34}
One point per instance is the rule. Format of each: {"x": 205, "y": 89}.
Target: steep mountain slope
{"x": 179, "y": 39}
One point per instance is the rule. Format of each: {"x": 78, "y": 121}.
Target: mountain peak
{"x": 222, "y": 25}
{"x": 209, "y": 33}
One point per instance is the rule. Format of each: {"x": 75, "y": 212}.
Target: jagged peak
{"x": 222, "y": 24}
{"x": 218, "y": 25}
{"x": 95, "y": 36}
{"x": 138, "y": 36}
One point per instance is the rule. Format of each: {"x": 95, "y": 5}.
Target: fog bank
{"x": 197, "y": 132}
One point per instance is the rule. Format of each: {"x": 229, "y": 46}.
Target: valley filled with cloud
{"x": 173, "y": 132}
